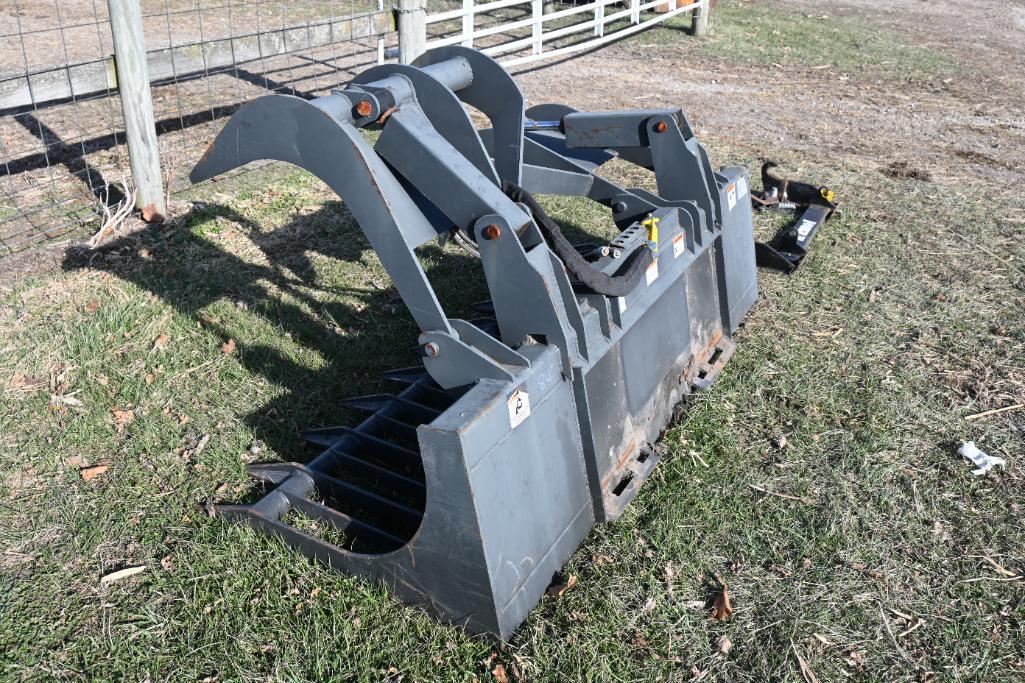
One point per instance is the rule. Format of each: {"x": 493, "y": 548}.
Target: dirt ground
{"x": 955, "y": 128}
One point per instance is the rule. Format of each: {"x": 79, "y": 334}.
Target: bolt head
{"x": 660, "y": 127}
{"x": 431, "y": 349}
{"x": 492, "y": 232}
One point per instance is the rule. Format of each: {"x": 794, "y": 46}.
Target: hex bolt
{"x": 491, "y": 232}
{"x": 605, "y": 251}
{"x": 431, "y": 349}
{"x": 616, "y": 253}
{"x": 364, "y": 108}
{"x": 660, "y": 127}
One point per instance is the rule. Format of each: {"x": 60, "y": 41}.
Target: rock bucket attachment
{"x": 467, "y": 490}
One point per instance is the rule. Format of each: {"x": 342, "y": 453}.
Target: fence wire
{"x": 62, "y": 147}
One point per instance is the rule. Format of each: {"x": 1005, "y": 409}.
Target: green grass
{"x": 764, "y": 34}
{"x": 892, "y": 530}
{"x": 848, "y": 393}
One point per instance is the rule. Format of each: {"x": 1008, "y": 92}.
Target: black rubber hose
{"x": 622, "y": 283}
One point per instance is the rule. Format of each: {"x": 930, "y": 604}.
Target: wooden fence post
{"x": 700, "y": 26}
{"x": 137, "y": 106}
{"x": 412, "y": 26}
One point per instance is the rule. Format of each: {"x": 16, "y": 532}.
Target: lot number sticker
{"x": 519, "y": 407}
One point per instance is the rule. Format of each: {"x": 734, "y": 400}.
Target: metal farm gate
{"x": 522, "y": 31}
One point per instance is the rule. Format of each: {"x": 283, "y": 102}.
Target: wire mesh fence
{"x": 64, "y": 157}
{"x": 62, "y": 146}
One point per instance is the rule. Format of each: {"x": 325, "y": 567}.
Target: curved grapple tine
{"x": 319, "y": 137}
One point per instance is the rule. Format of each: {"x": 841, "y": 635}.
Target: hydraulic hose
{"x": 622, "y": 283}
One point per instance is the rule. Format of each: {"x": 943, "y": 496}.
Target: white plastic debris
{"x": 983, "y": 461}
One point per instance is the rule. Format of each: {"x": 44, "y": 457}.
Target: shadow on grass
{"x": 188, "y": 270}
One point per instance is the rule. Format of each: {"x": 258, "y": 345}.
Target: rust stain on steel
{"x": 387, "y": 112}
{"x": 363, "y": 108}
{"x": 615, "y": 474}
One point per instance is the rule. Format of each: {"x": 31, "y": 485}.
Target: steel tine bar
{"x": 345, "y": 490}
{"x": 399, "y": 482}
{"x": 405, "y": 429}
{"x": 310, "y": 545}
{"x": 375, "y": 402}
{"x": 343, "y": 522}
{"x": 406, "y": 375}
{"x": 387, "y": 446}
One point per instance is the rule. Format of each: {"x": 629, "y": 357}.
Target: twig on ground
{"x": 1000, "y": 569}
{"x": 806, "y": 672}
{"x": 893, "y": 638}
{"x": 112, "y": 219}
{"x": 806, "y": 501}
{"x": 995, "y": 411}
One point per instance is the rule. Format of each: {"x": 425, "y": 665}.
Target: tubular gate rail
{"x": 523, "y": 31}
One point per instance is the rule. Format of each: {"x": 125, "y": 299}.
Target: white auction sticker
{"x": 678, "y": 245}
{"x": 731, "y": 195}
{"x": 519, "y": 407}
{"x": 805, "y": 227}
{"x": 741, "y": 186}
{"x": 622, "y": 304}
{"x": 651, "y": 272}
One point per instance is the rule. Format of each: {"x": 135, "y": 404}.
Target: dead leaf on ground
{"x": 149, "y": 378}
{"x": 22, "y": 382}
{"x": 90, "y": 473}
{"x": 209, "y": 320}
{"x": 123, "y": 418}
{"x": 121, "y": 574}
{"x": 160, "y": 343}
{"x": 92, "y": 306}
{"x": 724, "y": 644}
{"x": 228, "y": 347}
{"x": 722, "y": 608}
{"x": 558, "y": 589}
{"x": 61, "y": 400}
{"x": 499, "y": 673}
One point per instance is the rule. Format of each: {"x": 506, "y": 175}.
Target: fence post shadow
{"x": 190, "y": 273}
